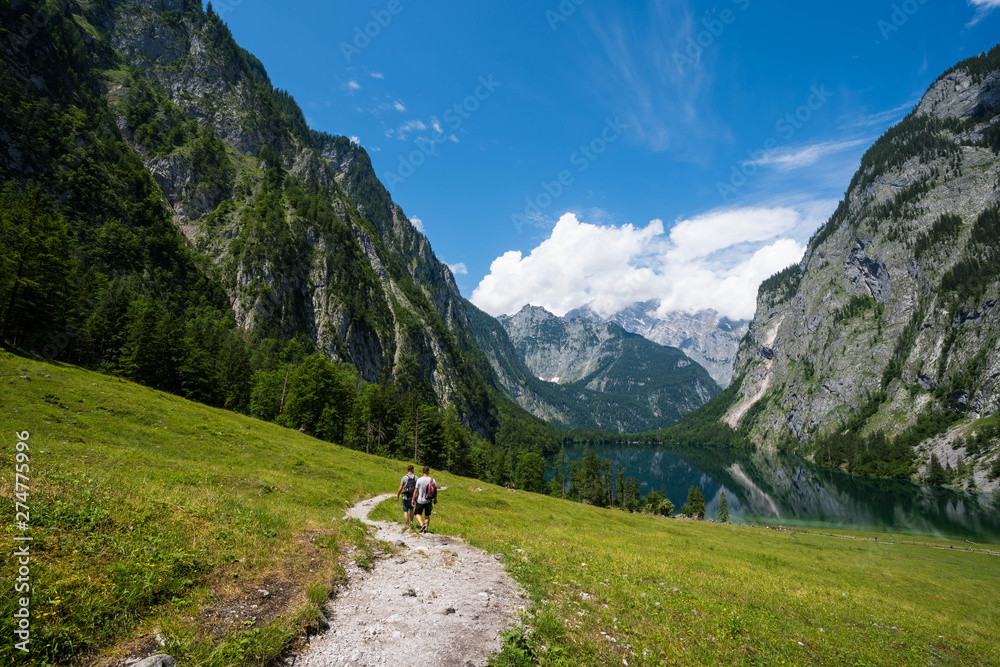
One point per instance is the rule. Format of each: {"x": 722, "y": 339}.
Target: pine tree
{"x": 723, "y": 515}
{"x": 695, "y": 507}
{"x": 34, "y": 263}
{"x": 936, "y": 473}
{"x": 557, "y": 487}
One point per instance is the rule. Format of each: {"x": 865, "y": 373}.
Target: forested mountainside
{"x": 167, "y": 215}
{"x": 621, "y": 383}
{"x": 706, "y": 336}
{"x": 880, "y": 352}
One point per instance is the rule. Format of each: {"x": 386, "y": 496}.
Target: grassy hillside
{"x": 153, "y": 515}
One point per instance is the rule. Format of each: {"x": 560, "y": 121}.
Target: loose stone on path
{"x": 439, "y": 600}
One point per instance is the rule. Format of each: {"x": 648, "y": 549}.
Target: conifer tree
{"x": 723, "y": 515}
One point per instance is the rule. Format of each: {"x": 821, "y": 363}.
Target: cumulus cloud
{"x": 418, "y": 223}
{"x": 716, "y": 260}
{"x": 351, "y": 86}
{"x": 459, "y": 269}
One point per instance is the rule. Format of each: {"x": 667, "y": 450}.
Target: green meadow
{"x": 160, "y": 522}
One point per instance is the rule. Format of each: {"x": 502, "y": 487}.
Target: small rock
{"x": 264, "y": 592}
{"x": 159, "y": 660}
{"x": 159, "y": 638}
{"x": 409, "y": 593}
{"x": 324, "y": 623}
{"x": 449, "y": 610}
{"x": 498, "y": 556}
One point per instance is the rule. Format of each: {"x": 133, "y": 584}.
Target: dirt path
{"x": 438, "y": 601}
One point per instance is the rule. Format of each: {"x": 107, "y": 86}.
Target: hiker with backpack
{"x": 407, "y": 486}
{"x": 424, "y": 496}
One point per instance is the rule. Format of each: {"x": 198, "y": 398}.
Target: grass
{"x": 153, "y": 516}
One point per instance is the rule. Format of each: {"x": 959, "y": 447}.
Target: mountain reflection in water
{"x": 789, "y": 490}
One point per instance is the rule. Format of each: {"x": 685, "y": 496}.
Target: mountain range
{"x": 707, "y": 337}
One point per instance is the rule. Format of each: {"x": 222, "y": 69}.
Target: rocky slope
{"x": 706, "y": 336}
{"x": 888, "y": 332}
{"x": 607, "y": 377}
{"x": 291, "y": 224}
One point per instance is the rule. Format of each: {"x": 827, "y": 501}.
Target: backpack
{"x": 411, "y": 484}
{"x": 432, "y": 491}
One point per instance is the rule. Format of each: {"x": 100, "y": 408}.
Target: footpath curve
{"x": 438, "y": 600}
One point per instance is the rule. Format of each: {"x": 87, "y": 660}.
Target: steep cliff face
{"x": 889, "y": 326}
{"x": 602, "y": 364}
{"x": 188, "y": 181}
{"x": 301, "y": 234}
{"x": 707, "y": 337}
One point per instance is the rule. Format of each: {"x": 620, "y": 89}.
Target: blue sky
{"x": 567, "y": 152}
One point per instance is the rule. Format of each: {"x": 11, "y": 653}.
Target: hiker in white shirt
{"x": 424, "y": 496}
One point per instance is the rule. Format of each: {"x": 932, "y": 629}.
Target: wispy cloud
{"x": 787, "y": 159}
{"x": 378, "y": 75}
{"x": 879, "y": 119}
{"x": 418, "y": 223}
{"x": 665, "y": 105}
{"x": 399, "y": 106}
{"x": 351, "y": 86}
{"x": 459, "y": 269}
{"x": 406, "y": 129}
{"x": 983, "y": 8}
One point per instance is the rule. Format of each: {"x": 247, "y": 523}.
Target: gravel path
{"x": 438, "y": 601}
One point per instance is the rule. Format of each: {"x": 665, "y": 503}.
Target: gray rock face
{"x": 706, "y": 336}
{"x": 602, "y": 357}
{"x": 365, "y": 286}
{"x": 933, "y": 344}
{"x": 869, "y": 272}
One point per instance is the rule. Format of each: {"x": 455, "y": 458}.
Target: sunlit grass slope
{"x": 153, "y": 515}
{"x": 612, "y": 587}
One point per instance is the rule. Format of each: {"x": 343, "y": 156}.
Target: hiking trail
{"x": 437, "y": 600}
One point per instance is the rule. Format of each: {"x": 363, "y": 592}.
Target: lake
{"x": 783, "y": 489}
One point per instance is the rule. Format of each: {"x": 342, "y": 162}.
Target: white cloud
{"x": 651, "y": 77}
{"x": 355, "y": 140}
{"x": 399, "y": 106}
{"x": 459, "y": 269}
{"x": 881, "y": 119}
{"x": 983, "y": 8}
{"x": 418, "y": 223}
{"x": 787, "y": 159}
{"x": 352, "y": 86}
{"x": 404, "y": 130}
{"x": 378, "y": 75}
{"x": 716, "y": 260}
